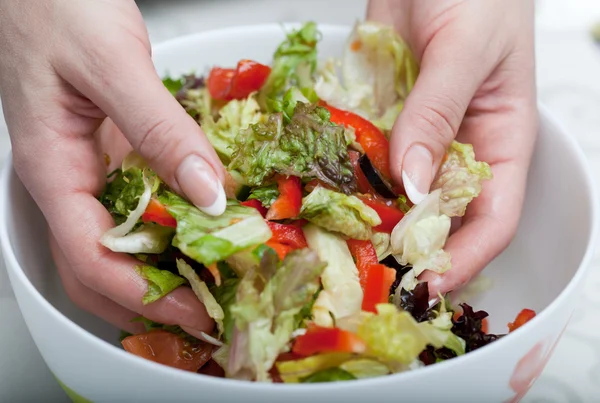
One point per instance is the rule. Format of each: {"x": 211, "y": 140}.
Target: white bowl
{"x": 542, "y": 269}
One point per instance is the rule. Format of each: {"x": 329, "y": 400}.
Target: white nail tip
{"x": 411, "y": 191}
{"x": 219, "y": 206}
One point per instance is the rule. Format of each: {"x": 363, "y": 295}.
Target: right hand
{"x": 66, "y": 68}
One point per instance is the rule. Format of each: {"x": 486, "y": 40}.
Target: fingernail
{"x": 416, "y": 172}
{"x": 200, "y": 184}
{"x": 199, "y": 334}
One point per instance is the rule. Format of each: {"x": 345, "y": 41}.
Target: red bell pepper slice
{"x": 523, "y": 317}
{"x": 365, "y": 255}
{"x": 327, "y": 340}
{"x": 372, "y": 140}
{"x": 364, "y": 186}
{"x": 289, "y": 202}
{"x": 238, "y": 83}
{"x": 257, "y": 205}
{"x": 378, "y": 282}
{"x": 288, "y": 235}
{"x": 279, "y": 248}
{"x": 157, "y": 212}
{"x": 390, "y": 215}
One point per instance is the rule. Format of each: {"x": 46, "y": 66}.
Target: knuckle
{"x": 157, "y": 138}
{"x": 439, "y": 118}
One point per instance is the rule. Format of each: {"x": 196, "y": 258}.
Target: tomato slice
{"x": 249, "y": 77}
{"x": 219, "y": 82}
{"x": 257, "y": 205}
{"x": 379, "y": 280}
{"x": 324, "y": 339}
{"x": 289, "y": 202}
{"x": 168, "y": 349}
{"x": 523, "y": 317}
{"x": 157, "y": 212}
{"x": 390, "y": 215}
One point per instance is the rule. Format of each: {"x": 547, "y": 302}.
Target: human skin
{"x": 77, "y": 82}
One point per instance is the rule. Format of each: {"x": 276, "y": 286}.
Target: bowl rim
{"x": 14, "y": 267}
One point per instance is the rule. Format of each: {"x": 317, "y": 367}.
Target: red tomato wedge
{"x": 257, "y": 205}
{"x": 390, "y": 214}
{"x": 372, "y": 140}
{"x": 365, "y": 256}
{"x": 157, "y": 212}
{"x": 289, "y": 202}
{"x": 327, "y": 340}
{"x": 169, "y": 349}
{"x": 379, "y": 280}
{"x": 247, "y": 77}
{"x": 523, "y": 317}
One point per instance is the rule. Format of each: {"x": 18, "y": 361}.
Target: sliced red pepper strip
{"x": 390, "y": 215}
{"x": 378, "y": 282}
{"x": 279, "y": 248}
{"x": 287, "y": 235}
{"x": 247, "y": 77}
{"x": 289, "y": 202}
{"x": 364, "y": 186}
{"x": 365, "y": 255}
{"x": 327, "y": 340}
{"x": 523, "y": 317}
{"x": 257, "y": 205}
{"x": 372, "y": 140}
{"x": 157, "y": 212}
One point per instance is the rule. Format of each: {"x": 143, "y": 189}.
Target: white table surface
{"x": 568, "y": 82}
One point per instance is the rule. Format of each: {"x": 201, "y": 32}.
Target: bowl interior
{"x": 545, "y": 254}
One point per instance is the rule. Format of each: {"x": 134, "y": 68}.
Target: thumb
{"x": 432, "y": 113}
{"x": 125, "y": 85}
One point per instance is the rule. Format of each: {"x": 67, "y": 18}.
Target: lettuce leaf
{"x": 460, "y": 179}
{"x": 268, "y": 300}
{"x": 418, "y": 240}
{"x": 214, "y": 310}
{"x": 121, "y": 195}
{"x": 265, "y": 194}
{"x": 148, "y": 238}
{"x": 378, "y": 71}
{"x": 294, "y": 64}
{"x": 225, "y": 297}
{"x": 381, "y": 243}
{"x": 342, "y": 294}
{"x": 235, "y": 116}
{"x": 329, "y": 375}
{"x": 341, "y": 213}
{"x": 293, "y": 371}
{"x": 160, "y": 282}
{"x": 310, "y": 147}
{"x": 208, "y": 239}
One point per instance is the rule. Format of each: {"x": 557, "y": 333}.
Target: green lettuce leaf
{"x": 329, "y": 375}
{"x": 122, "y": 194}
{"x": 173, "y": 85}
{"x": 341, "y": 213}
{"x": 147, "y": 238}
{"x": 309, "y": 147}
{"x": 265, "y": 194}
{"x": 439, "y": 329}
{"x": 294, "y": 64}
{"x": 214, "y": 310}
{"x": 225, "y": 296}
{"x": 362, "y": 368}
{"x": 418, "y": 240}
{"x": 381, "y": 243}
{"x": 342, "y": 294}
{"x": 208, "y": 239}
{"x": 378, "y": 71}
{"x": 460, "y": 178}
{"x": 235, "y": 116}
{"x": 268, "y": 300}
{"x": 294, "y": 371}
{"x": 160, "y": 282}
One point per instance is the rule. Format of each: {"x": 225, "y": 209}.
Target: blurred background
{"x": 568, "y": 74}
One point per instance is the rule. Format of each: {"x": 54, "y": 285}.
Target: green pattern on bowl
{"x": 74, "y": 396}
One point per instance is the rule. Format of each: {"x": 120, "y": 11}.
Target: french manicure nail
{"x": 416, "y": 173}
{"x": 200, "y": 184}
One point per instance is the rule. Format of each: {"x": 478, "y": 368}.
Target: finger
{"x": 118, "y": 75}
{"x": 452, "y": 69}
{"x": 90, "y": 300}
{"x": 113, "y": 145}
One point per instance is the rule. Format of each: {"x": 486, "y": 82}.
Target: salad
{"x": 311, "y": 274}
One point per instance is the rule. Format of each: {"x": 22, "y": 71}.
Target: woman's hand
{"x": 476, "y": 85}
{"x": 65, "y": 67}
